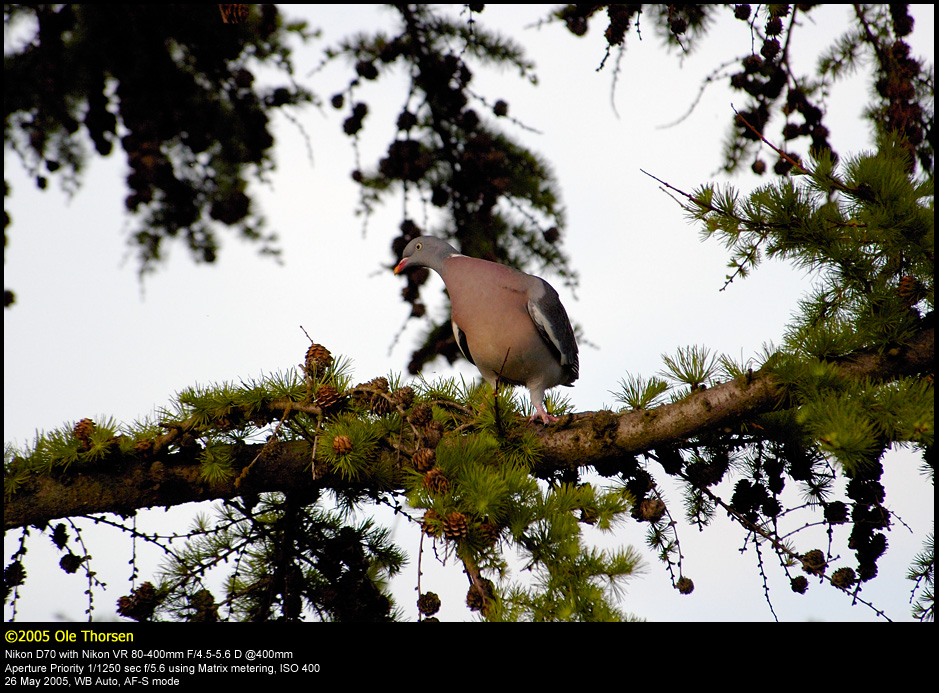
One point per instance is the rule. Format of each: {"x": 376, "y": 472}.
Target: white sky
{"x": 84, "y": 340}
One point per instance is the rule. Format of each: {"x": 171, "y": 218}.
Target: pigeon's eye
{"x": 418, "y": 246}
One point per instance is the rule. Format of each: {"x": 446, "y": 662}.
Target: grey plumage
{"x": 511, "y": 325}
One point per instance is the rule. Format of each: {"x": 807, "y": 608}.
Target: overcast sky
{"x": 86, "y": 339}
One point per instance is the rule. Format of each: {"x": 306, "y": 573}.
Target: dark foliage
{"x": 171, "y": 85}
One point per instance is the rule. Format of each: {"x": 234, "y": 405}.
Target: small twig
{"x": 711, "y": 208}
{"x": 496, "y": 391}
{"x": 695, "y": 200}
{"x": 766, "y": 594}
{"x": 673, "y": 527}
{"x": 420, "y": 556}
{"x": 782, "y": 154}
{"x": 709, "y": 80}
{"x": 269, "y": 444}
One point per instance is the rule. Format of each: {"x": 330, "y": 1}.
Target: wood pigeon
{"x": 509, "y": 324}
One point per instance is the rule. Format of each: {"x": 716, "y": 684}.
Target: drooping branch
{"x": 168, "y": 476}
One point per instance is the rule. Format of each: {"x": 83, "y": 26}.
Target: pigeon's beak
{"x": 401, "y": 265}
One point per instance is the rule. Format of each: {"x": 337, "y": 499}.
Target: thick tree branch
{"x": 123, "y": 484}
{"x": 596, "y": 437}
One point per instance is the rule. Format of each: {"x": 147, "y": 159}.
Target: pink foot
{"x": 545, "y": 417}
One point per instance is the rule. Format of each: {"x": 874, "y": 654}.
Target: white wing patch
{"x": 460, "y": 338}
{"x": 551, "y": 319}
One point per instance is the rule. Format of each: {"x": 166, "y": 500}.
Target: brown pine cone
{"x": 843, "y": 578}
{"x": 421, "y": 416}
{"x": 474, "y": 599}
{"x": 436, "y": 482}
{"x": 814, "y": 562}
{"x": 651, "y": 510}
{"x": 317, "y": 360}
{"x": 423, "y": 459}
{"x": 83, "y": 430}
{"x": 373, "y": 396}
{"x": 480, "y": 596}
{"x": 380, "y": 384}
{"x": 403, "y": 396}
{"x": 380, "y": 405}
{"x": 489, "y": 532}
{"x": 342, "y": 445}
{"x": 327, "y": 397}
{"x": 455, "y": 526}
{"x": 140, "y": 605}
{"x": 432, "y": 434}
{"x": 428, "y": 604}
{"x": 428, "y": 524}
